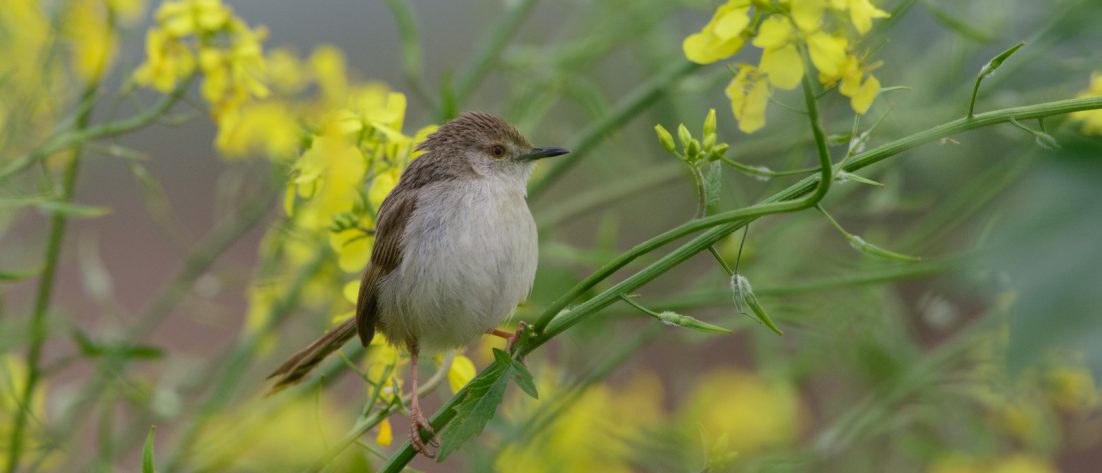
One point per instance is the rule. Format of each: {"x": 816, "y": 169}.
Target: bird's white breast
{"x": 468, "y": 258}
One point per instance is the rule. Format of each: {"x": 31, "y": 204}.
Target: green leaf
{"x": 18, "y": 275}
{"x": 863, "y": 246}
{"x": 524, "y": 379}
{"x": 484, "y": 394}
{"x": 93, "y": 349}
{"x": 147, "y": 452}
{"x": 713, "y": 183}
{"x": 72, "y": 210}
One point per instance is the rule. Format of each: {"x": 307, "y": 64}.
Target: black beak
{"x": 540, "y": 153}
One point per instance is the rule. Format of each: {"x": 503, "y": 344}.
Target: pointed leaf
{"x": 478, "y": 406}
{"x": 147, "y": 452}
{"x": 524, "y": 379}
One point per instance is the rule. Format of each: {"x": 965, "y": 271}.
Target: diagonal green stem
{"x": 628, "y": 108}
{"x": 83, "y": 134}
{"x": 489, "y": 49}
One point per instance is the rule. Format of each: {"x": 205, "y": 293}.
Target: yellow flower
{"x": 381, "y": 187}
{"x": 167, "y": 61}
{"x": 186, "y": 17}
{"x": 749, "y": 94}
{"x": 353, "y": 247}
{"x": 861, "y": 14}
{"x": 1071, "y": 388}
{"x": 1092, "y": 119}
{"x": 722, "y": 36}
{"x": 385, "y": 436}
{"x": 780, "y": 60}
{"x": 287, "y": 438}
{"x": 1014, "y": 463}
{"x": 828, "y": 53}
{"x": 329, "y": 176}
{"x": 861, "y": 92}
{"x": 94, "y": 41}
{"x": 807, "y": 13}
{"x": 755, "y": 414}
{"x": 462, "y": 372}
{"x": 594, "y": 434}
{"x": 286, "y": 72}
{"x": 327, "y": 66}
{"x": 266, "y": 127}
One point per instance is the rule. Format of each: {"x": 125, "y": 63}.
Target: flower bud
{"x": 665, "y": 138}
{"x": 710, "y": 125}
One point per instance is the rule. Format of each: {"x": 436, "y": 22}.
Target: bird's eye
{"x": 497, "y": 151}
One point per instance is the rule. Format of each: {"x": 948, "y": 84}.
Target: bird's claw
{"x": 416, "y": 424}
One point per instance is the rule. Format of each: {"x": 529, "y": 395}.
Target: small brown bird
{"x": 455, "y": 251}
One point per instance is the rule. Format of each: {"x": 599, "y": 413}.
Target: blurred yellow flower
{"x": 188, "y": 17}
{"x": 167, "y": 61}
{"x": 749, "y": 93}
{"x": 754, "y": 413}
{"x": 269, "y": 128}
{"x": 385, "y": 435}
{"x": 722, "y": 36}
{"x": 592, "y": 434}
{"x": 461, "y": 372}
{"x": 1014, "y": 463}
{"x": 861, "y": 13}
{"x": 1092, "y": 119}
{"x": 1071, "y": 388}
{"x": 254, "y": 438}
{"x": 94, "y": 41}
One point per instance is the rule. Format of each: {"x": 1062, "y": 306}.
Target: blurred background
{"x": 169, "y": 307}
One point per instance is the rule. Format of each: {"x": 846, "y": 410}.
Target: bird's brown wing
{"x": 385, "y": 256}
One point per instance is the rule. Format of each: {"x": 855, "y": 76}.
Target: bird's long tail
{"x": 298, "y": 366}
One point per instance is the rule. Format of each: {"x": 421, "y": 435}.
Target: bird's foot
{"x": 511, "y": 339}
{"x": 417, "y": 422}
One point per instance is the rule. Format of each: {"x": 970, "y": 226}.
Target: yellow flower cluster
{"x": 1092, "y": 119}
{"x": 204, "y": 36}
{"x": 826, "y": 29}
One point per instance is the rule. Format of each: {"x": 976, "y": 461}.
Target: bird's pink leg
{"x": 417, "y": 421}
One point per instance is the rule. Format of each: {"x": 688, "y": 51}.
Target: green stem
{"x": 727, "y": 222}
{"x": 83, "y": 134}
{"x": 587, "y": 200}
{"x": 490, "y": 48}
{"x": 412, "y": 54}
{"x": 628, "y": 108}
{"x": 38, "y": 331}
